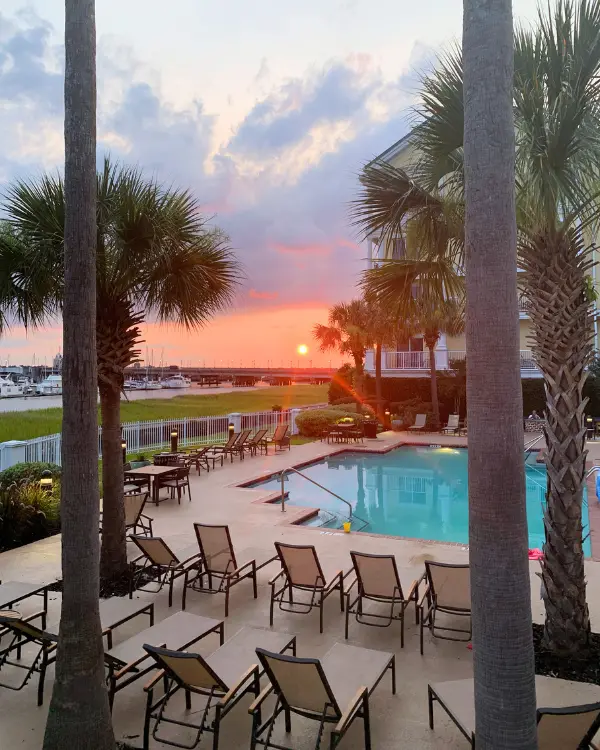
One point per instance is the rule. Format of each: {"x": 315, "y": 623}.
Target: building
{"x": 411, "y": 359}
{"x": 57, "y": 362}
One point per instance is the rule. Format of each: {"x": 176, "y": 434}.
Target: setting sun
{"x": 302, "y": 349}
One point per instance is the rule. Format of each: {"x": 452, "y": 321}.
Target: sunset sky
{"x": 265, "y": 109}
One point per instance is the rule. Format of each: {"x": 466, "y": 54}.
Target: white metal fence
{"x": 142, "y": 437}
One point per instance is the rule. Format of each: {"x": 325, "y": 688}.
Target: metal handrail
{"x": 326, "y": 489}
{"x": 592, "y": 470}
{"x": 533, "y": 442}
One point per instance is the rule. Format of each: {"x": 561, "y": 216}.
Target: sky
{"x": 266, "y": 110}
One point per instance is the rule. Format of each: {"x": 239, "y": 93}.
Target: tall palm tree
{"x": 156, "y": 260}
{"x": 556, "y": 99}
{"x": 347, "y": 332}
{"x": 79, "y": 715}
{"x": 502, "y": 643}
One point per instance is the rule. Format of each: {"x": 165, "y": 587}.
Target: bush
{"x": 343, "y": 401}
{"x": 27, "y": 513}
{"x": 341, "y": 385}
{"x": 314, "y": 422}
{"x": 30, "y": 472}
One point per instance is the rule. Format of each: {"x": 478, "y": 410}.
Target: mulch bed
{"x": 577, "y": 670}
{"x": 117, "y": 587}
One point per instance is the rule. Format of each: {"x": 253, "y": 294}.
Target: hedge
{"x": 31, "y": 472}
{"x": 314, "y": 422}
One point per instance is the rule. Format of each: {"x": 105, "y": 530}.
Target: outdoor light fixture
{"x": 231, "y": 428}
{"x": 46, "y": 481}
{"x": 124, "y": 449}
{"x": 174, "y": 441}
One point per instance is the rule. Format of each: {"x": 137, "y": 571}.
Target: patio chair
{"x": 420, "y": 422}
{"x": 453, "y": 424}
{"x": 178, "y": 481}
{"x": 257, "y": 442}
{"x": 447, "y": 592}
{"x": 334, "y": 690}
{"x": 231, "y": 447}
{"x": 462, "y": 430}
{"x": 135, "y": 520}
{"x": 242, "y": 444}
{"x": 157, "y": 564}
{"x": 114, "y": 611}
{"x": 219, "y": 565}
{"x": 566, "y": 719}
{"x": 301, "y": 571}
{"x": 222, "y": 679}
{"x": 134, "y": 483}
{"x": 378, "y": 581}
{"x": 25, "y": 633}
{"x": 201, "y": 457}
{"x": 280, "y": 439}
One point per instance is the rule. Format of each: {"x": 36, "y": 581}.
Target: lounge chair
{"x": 453, "y": 424}
{"x": 135, "y": 520}
{"x": 378, "y": 581}
{"x": 242, "y": 444}
{"x": 128, "y": 660}
{"x": 201, "y": 457}
{"x": 219, "y": 565}
{"x": 447, "y": 591}
{"x": 257, "y": 442}
{"x": 223, "y": 679}
{"x": 280, "y": 439}
{"x": 334, "y": 689}
{"x": 568, "y": 714}
{"x": 158, "y": 564}
{"x": 231, "y": 447}
{"x": 301, "y": 571}
{"x": 113, "y": 612}
{"x": 462, "y": 430}
{"x": 178, "y": 481}
{"x": 420, "y": 422}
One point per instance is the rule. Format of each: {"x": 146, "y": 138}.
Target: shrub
{"x": 348, "y": 400}
{"x": 27, "y": 513}
{"x": 30, "y": 472}
{"x": 341, "y": 384}
{"x": 314, "y": 422}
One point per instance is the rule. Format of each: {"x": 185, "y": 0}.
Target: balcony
{"x": 524, "y": 306}
{"x": 397, "y": 364}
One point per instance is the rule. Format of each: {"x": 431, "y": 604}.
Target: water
{"x": 415, "y": 492}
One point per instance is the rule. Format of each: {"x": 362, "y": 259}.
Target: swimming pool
{"x": 418, "y": 492}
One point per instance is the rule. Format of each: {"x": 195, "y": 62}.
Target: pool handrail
{"x": 351, "y": 515}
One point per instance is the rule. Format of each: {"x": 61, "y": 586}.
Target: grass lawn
{"x": 24, "y": 425}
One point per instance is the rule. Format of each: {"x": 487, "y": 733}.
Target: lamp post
{"x": 174, "y": 440}
{"x": 46, "y": 481}
{"x": 231, "y": 428}
{"x": 124, "y": 449}
{"x": 387, "y": 419}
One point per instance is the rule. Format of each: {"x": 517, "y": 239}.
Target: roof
{"x": 393, "y": 151}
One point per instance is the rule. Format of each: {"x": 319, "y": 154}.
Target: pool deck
{"x": 397, "y": 721}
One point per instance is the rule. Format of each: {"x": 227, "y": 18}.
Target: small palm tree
{"x": 348, "y": 332}
{"x": 156, "y": 260}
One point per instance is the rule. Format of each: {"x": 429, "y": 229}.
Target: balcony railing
{"x": 417, "y": 361}
{"x": 524, "y": 304}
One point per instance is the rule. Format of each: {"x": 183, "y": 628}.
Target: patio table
{"x": 13, "y": 592}
{"x": 178, "y": 632}
{"x": 151, "y": 472}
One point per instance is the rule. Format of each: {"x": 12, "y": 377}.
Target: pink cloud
{"x": 314, "y": 248}
{"x": 255, "y": 294}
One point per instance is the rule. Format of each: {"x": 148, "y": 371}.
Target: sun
{"x": 302, "y": 349}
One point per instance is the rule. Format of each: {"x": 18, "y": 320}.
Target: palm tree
{"x": 425, "y": 296}
{"x": 347, "y": 331}
{"x": 79, "y": 715}
{"x": 556, "y": 99}
{"x": 156, "y": 259}
{"x": 502, "y": 644}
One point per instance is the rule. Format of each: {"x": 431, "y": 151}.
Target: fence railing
{"x": 153, "y": 435}
{"x": 443, "y": 360}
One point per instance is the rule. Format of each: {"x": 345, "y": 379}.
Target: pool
{"x": 418, "y": 492}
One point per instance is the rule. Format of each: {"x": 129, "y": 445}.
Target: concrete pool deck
{"x": 397, "y": 721}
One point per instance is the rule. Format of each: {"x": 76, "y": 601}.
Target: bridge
{"x": 237, "y": 375}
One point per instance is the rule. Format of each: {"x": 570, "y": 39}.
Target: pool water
{"x": 416, "y": 492}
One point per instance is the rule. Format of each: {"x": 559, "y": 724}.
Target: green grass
{"x": 25, "y": 425}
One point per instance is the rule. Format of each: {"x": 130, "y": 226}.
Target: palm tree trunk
{"x": 113, "y": 559}
{"x": 79, "y": 715}
{"x": 430, "y": 342}
{"x": 563, "y": 341}
{"x": 359, "y": 382}
{"x": 378, "y": 384}
{"x": 500, "y": 587}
